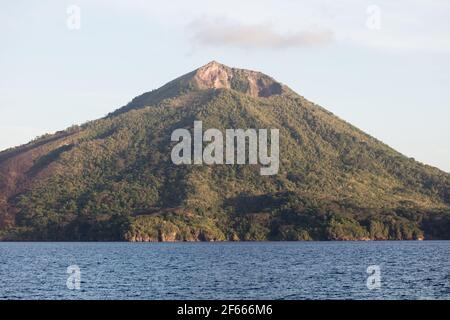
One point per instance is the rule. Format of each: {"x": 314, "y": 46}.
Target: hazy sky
{"x": 383, "y": 66}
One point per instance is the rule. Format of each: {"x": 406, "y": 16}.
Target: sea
{"x": 225, "y": 270}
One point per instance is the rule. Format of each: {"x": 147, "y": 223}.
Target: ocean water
{"x": 246, "y": 270}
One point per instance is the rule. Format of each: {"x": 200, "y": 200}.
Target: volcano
{"x": 113, "y": 178}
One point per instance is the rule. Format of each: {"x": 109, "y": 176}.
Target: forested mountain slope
{"x": 113, "y": 178}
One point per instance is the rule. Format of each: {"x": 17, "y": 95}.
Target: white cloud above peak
{"x": 223, "y": 32}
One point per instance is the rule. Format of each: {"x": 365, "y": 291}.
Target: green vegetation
{"x": 112, "y": 179}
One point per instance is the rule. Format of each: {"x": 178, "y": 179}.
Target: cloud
{"x": 254, "y": 36}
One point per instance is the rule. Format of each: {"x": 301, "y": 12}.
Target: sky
{"x": 381, "y": 65}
